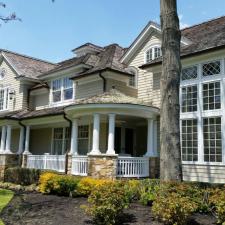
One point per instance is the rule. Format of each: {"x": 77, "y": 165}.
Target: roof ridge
{"x": 27, "y": 56}
{"x": 201, "y": 23}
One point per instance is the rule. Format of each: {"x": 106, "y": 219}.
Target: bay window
{"x": 62, "y": 90}
{"x": 202, "y": 112}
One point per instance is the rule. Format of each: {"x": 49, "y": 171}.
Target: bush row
{"x": 172, "y": 203}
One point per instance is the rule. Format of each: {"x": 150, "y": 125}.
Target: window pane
{"x": 211, "y": 96}
{"x": 68, "y": 94}
{"x": 189, "y": 99}
{"x": 211, "y": 68}
{"x": 56, "y": 96}
{"x": 189, "y": 73}
{"x": 67, "y": 83}
{"x": 212, "y": 139}
{"x": 1, "y": 99}
{"x": 149, "y": 55}
{"x": 189, "y": 140}
{"x": 56, "y": 84}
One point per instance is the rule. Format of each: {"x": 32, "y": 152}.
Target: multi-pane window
{"x": 212, "y": 139}
{"x": 189, "y": 140}
{"x": 83, "y": 135}
{"x": 211, "y": 68}
{"x": 153, "y": 53}
{"x": 4, "y": 98}
{"x": 62, "y": 89}
{"x": 189, "y": 73}
{"x": 189, "y": 99}
{"x": 211, "y": 96}
{"x": 61, "y": 140}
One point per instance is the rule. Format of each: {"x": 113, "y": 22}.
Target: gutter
{"x": 104, "y": 81}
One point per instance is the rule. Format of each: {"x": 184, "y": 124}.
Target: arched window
{"x": 132, "y": 79}
{"x": 153, "y": 53}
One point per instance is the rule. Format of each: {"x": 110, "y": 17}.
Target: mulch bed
{"x": 38, "y": 209}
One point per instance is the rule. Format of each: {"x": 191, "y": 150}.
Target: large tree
{"x": 170, "y": 154}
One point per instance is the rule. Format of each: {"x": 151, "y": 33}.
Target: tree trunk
{"x": 170, "y": 154}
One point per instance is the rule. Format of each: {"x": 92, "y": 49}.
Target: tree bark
{"x": 170, "y": 153}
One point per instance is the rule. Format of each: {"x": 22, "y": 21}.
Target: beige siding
{"x": 204, "y": 173}
{"x": 9, "y": 81}
{"x": 40, "y": 101}
{"x": 40, "y": 141}
{"x": 89, "y": 89}
{"x": 121, "y": 86}
{"x": 146, "y": 90}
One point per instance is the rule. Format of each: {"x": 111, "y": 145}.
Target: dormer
{"x": 87, "y": 48}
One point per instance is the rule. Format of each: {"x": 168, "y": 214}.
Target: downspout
{"x": 104, "y": 81}
{"x": 70, "y": 124}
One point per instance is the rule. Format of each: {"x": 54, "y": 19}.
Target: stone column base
{"x": 8, "y": 161}
{"x": 154, "y": 165}
{"x": 69, "y": 163}
{"x": 102, "y": 166}
{"x": 24, "y": 161}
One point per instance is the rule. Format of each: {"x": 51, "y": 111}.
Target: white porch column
{"x": 111, "y": 135}
{"x": 27, "y": 141}
{"x": 8, "y": 140}
{"x": 74, "y": 136}
{"x": 95, "y": 142}
{"x": 2, "y": 149}
{"x": 150, "y": 139}
{"x": 21, "y": 141}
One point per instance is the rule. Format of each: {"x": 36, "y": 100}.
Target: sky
{"x": 51, "y": 30}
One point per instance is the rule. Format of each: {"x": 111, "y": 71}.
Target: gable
{"x": 149, "y": 30}
{"x": 138, "y": 57}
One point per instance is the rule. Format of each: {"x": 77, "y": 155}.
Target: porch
{"x": 122, "y": 137}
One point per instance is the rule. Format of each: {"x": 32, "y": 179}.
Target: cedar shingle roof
{"x": 202, "y": 37}
{"x": 27, "y": 66}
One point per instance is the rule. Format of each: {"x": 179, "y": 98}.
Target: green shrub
{"x": 87, "y": 184}
{"x": 107, "y": 203}
{"x": 173, "y": 208}
{"x": 132, "y": 190}
{"x": 63, "y": 185}
{"x": 217, "y": 199}
{"x": 148, "y": 191}
{"x": 22, "y": 176}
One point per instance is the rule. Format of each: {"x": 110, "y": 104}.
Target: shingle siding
{"x": 146, "y": 90}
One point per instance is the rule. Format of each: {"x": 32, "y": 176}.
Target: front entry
{"x": 124, "y": 141}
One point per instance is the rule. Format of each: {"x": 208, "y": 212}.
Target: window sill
{"x": 56, "y": 104}
{"x": 203, "y": 163}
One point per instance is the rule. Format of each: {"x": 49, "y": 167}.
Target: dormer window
{"x": 62, "y": 90}
{"x": 153, "y": 53}
{"x": 132, "y": 79}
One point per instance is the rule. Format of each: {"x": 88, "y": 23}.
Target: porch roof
{"x": 111, "y": 97}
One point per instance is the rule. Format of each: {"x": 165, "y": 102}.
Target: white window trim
{"x": 61, "y": 102}
{"x": 200, "y": 113}
{"x": 135, "y": 70}
{"x": 153, "y": 54}
{"x": 63, "y": 140}
{"x": 5, "y": 106}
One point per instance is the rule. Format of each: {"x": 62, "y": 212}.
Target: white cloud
{"x": 182, "y": 24}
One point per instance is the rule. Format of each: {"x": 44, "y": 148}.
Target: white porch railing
{"x": 47, "y": 162}
{"x": 80, "y": 165}
{"x": 133, "y": 167}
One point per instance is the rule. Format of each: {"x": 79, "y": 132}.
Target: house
{"x": 97, "y": 113}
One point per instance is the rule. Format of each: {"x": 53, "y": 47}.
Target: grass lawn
{"x": 5, "y": 197}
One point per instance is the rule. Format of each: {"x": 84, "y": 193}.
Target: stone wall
{"x": 8, "y": 161}
{"x": 102, "y": 166}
